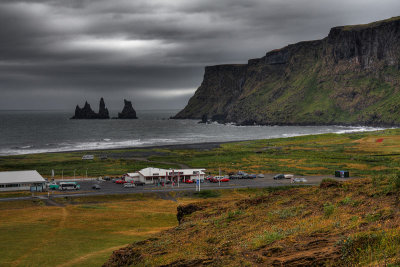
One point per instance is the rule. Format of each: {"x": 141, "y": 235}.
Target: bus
{"x": 69, "y": 186}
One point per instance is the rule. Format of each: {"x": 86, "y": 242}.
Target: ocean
{"x": 26, "y": 132}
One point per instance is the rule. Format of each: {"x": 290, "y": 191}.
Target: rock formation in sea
{"x": 87, "y": 112}
{"x": 103, "y": 111}
{"x": 128, "y": 112}
{"x": 350, "y": 77}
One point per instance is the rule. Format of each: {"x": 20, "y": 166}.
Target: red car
{"x": 188, "y": 182}
{"x": 225, "y": 180}
{"x": 120, "y": 181}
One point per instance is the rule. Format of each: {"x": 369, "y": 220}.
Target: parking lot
{"x": 108, "y": 187}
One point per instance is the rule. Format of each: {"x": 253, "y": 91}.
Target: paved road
{"x": 109, "y": 188}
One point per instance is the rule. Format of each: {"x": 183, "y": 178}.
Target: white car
{"x": 299, "y": 180}
{"x": 129, "y": 185}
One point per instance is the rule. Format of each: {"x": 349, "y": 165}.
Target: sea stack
{"x": 87, "y": 112}
{"x": 127, "y": 112}
{"x": 103, "y": 111}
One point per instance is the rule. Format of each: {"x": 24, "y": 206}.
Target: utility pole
{"x": 219, "y": 180}
{"x": 74, "y": 173}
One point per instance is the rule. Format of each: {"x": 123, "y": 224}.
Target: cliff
{"x": 350, "y": 77}
{"x": 87, "y": 113}
{"x": 128, "y": 111}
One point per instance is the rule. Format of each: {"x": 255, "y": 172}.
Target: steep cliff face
{"x": 350, "y": 77}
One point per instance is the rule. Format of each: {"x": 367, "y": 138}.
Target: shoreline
{"x": 198, "y": 146}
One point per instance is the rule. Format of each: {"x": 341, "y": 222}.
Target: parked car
{"x": 188, "y": 181}
{"x": 114, "y": 180}
{"x": 260, "y": 175}
{"x": 289, "y": 176}
{"x": 224, "y": 179}
{"x": 246, "y": 176}
{"x": 138, "y": 183}
{"x": 279, "y": 176}
{"x": 252, "y": 176}
{"x": 300, "y": 180}
{"x": 54, "y": 186}
{"x": 129, "y": 185}
{"x": 96, "y": 186}
{"x": 120, "y": 181}
{"x": 213, "y": 180}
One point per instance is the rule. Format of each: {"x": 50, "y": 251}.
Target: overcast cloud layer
{"x": 55, "y": 54}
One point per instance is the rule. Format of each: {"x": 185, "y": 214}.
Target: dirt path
{"x": 50, "y": 202}
{"x": 89, "y": 255}
{"x": 166, "y": 196}
{"x": 183, "y": 166}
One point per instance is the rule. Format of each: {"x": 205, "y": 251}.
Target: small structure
{"x": 152, "y": 175}
{"x": 342, "y": 174}
{"x": 22, "y": 180}
{"x": 88, "y": 157}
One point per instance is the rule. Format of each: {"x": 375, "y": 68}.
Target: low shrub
{"x": 268, "y": 237}
{"x": 329, "y": 208}
{"x": 207, "y": 194}
{"x": 369, "y": 247}
{"x": 328, "y": 182}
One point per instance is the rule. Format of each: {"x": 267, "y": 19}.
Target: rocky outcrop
{"x": 87, "y": 113}
{"x": 350, "y": 77}
{"x": 128, "y": 112}
{"x": 185, "y": 210}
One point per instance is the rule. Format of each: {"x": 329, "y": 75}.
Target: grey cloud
{"x": 52, "y": 50}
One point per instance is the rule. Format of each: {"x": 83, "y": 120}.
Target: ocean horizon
{"x": 41, "y": 131}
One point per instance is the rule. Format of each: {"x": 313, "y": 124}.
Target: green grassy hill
{"x": 355, "y": 223}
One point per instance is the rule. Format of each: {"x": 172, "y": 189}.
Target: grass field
{"x": 85, "y": 231}
{"x": 82, "y": 233}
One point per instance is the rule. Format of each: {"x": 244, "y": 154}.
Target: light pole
{"x": 86, "y": 173}
{"x": 74, "y": 173}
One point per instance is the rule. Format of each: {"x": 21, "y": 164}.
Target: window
{"x": 12, "y": 185}
{"x": 1, "y": 185}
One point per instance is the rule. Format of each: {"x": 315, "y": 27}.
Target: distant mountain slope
{"x": 350, "y": 77}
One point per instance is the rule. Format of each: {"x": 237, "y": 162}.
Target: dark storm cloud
{"x": 153, "y": 51}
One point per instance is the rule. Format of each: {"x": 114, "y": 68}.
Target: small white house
{"x": 152, "y": 175}
{"x": 21, "y": 180}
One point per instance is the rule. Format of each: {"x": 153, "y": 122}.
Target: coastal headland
{"x": 349, "y": 77}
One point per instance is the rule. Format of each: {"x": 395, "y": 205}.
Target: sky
{"x": 55, "y": 54}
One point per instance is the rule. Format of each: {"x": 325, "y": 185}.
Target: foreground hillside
{"x": 333, "y": 224}
{"x": 349, "y": 77}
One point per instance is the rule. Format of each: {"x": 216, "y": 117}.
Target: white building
{"x": 152, "y": 175}
{"x": 21, "y": 180}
